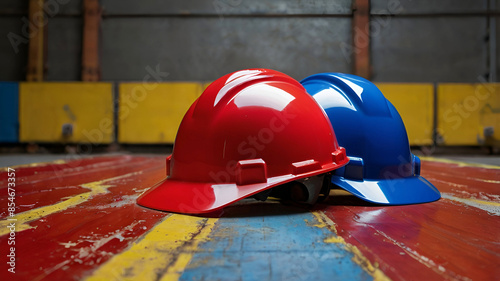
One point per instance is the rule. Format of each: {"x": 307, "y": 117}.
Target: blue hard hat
{"x": 382, "y": 168}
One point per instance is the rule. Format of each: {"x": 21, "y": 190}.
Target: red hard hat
{"x": 249, "y": 131}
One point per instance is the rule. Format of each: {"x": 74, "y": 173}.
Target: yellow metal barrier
{"x": 152, "y": 112}
{"x": 469, "y": 114}
{"x": 415, "y": 104}
{"x": 80, "y": 112}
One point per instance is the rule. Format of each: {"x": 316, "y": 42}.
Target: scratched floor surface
{"x": 78, "y": 220}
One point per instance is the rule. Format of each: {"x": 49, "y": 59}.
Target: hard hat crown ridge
{"x": 360, "y": 93}
{"x": 221, "y": 91}
{"x": 248, "y": 132}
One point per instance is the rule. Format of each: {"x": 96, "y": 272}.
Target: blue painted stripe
{"x": 271, "y": 242}
{"x": 9, "y": 108}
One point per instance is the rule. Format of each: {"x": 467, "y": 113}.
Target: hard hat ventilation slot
{"x": 354, "y": 169}
{"x": 339, "y": 155}
{"x": 251, "y": 171}
{"x": 416, "y": 163}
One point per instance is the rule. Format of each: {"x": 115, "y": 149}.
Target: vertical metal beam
{"x": 91, "y": 70}
{"x": 493, "y": 41}
{"x": 36, "y": 47}
{"x": 361, "y": 38}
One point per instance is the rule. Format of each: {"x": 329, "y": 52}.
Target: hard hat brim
{"x": 400, "y": 191}
{"x": 197, "y": 197}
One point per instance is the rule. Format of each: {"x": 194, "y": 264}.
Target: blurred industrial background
{"x": 116, "y": 72}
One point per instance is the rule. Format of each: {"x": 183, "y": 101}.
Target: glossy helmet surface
{"x": 382, "y": 168}
{"x": 248, "y": 132}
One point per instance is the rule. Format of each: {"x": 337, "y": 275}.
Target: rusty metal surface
{"x": 37, "y": 42}
{"x": 91, "y": 69}
{"x": 78, "y": 220}
{"x": 361, "y": 38}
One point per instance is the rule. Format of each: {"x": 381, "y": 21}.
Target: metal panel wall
{"x": 207, "y": 48}
{"x": 203, "y": 40}
{"x": 64, "y": 49}
{"x": 64, "y": 40}
{"x": 68, "y": 7}
{"x": 52, "y": 8}
{"x": 431, "y": 41}
{"x": 429, "y": 49}
{"x": 422, "y": 41}
{"x": 411, "y": 7}
{"x": 14, "y": 6}
{"x": 495, "y": 25}
{"x": 13, "y": 49}
{"x": 225, "y": 7}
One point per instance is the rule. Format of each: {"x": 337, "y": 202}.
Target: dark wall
{"x": 411, "y": 41}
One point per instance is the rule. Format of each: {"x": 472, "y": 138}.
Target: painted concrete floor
{"x": 78, "y": 220}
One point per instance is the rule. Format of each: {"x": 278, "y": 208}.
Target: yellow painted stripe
{"x": 490, "y": 203}
{"x": 22, "y": 219}
{"x": 359, "y": 258}
{"x": 163, "y": 252}
{"x": 488, "y": 181}
{"x": 459, "y": 163}
{"x": 488, "y": 206}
